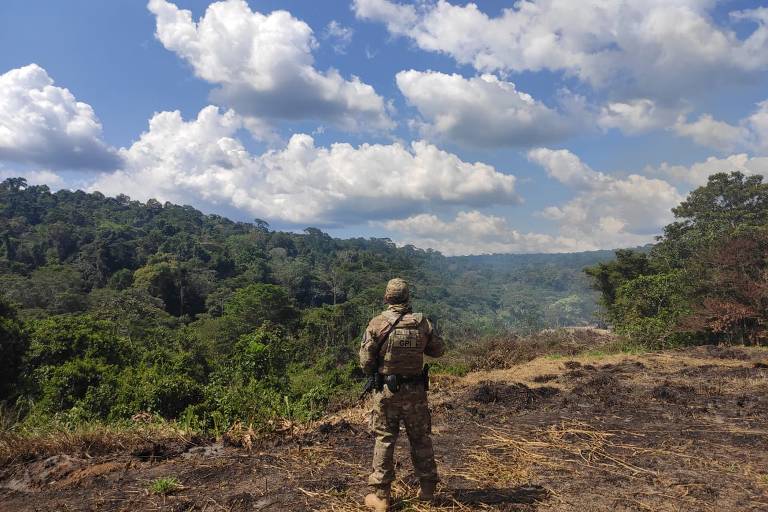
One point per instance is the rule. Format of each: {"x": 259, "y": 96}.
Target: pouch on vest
{"x": 392, "y": 384}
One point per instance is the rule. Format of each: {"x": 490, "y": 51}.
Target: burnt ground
{"x": 670, "y": 431}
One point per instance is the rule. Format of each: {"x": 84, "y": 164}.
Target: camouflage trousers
{"x": 408, "y": 405}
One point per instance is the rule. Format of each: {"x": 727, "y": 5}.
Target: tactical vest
{"x": 403, "y": 351}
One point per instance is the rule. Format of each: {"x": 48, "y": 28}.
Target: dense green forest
{"x": 706, "y": 280}
{"x": 110, "y": 307}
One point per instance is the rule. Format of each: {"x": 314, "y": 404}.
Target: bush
{"x": 648, "y": 309}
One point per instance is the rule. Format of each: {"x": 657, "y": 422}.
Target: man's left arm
{"x": 369, "y": 350}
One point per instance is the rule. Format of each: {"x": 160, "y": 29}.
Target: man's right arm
{"x": 435, "y": 346}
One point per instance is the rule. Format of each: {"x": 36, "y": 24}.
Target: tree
{"x": 259, "y": 303}
{"x": 182, "y": 286}
{"x": 733, "y": 302}
{"x": 13, "y": 345}
{"x": 726, "y": 205}
{"x": 608, "y": 277}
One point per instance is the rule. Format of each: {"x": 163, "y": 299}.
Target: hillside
{"x": 113, "y": 307}
{"x": 666, "y": 431}
{"x": 59, "y": 249}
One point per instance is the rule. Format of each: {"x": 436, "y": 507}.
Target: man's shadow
{"x": 523, "y": 495}
{"x": 528, "y": 494}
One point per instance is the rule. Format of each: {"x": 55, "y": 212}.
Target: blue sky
{"x": 545, "y": 126}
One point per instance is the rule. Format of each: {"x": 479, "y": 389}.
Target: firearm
{"x": 370, "y": 384}
{"x": 425, "y": 377}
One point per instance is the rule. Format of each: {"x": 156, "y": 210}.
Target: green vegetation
{"x": 706, "y": 280}
{"x": 165, "y": 485}
{"x": 114, "y": 307}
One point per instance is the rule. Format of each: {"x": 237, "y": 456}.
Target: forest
{"x": 111, "y": 307}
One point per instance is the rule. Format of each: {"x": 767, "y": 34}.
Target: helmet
{"x": 397, "y": 291}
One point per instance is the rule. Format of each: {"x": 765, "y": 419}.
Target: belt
{"x": 410, "y": 378}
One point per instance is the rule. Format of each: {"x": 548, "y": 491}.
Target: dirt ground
{"x": 670, "y": 431}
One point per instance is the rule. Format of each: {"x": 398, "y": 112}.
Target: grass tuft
{"x": 165, "y": 485}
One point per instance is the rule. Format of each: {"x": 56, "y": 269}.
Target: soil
{"x": 669, "y": 431}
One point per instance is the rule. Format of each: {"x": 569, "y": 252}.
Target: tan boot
{"x": 427, "y": 490}
{"x": 378, "y": 500}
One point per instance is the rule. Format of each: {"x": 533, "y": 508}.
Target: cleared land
{"x": 668, "y": 431}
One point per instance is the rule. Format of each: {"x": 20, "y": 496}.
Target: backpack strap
{"x": 386, "y": 332}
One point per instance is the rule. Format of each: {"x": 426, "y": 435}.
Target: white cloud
{"x": 606, "y": 211}
{"x": 655, "y": 48}
{"x": 264, "y": 65}
{"x": 751, "y": 133}
{"x": 566, "y": 167}
{"x": 706, "y": 131}
{"x": 636, "y": 116}
{"x": 696, "y": 174}
{"x": 339, "y": 35}
{"x": 473, "y": 232}
{"x": 39, "y": 177}
{"x": 757, "y": 124}
{"x": 200, "y": 162}
{"x": 480, "y": 111}
{"x": 45, "y": 125}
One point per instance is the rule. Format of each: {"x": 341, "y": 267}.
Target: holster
{"x": 392, "y": 383}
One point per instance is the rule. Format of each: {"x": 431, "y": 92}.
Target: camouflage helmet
{"x": 397, "y": 291}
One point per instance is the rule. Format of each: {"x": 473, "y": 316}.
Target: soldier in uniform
{"x": 393, "y": 349}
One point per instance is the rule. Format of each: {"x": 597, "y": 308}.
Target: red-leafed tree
{"x": 734, "y": 303}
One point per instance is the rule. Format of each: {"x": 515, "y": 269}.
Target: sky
{"x": 468, "y": 128}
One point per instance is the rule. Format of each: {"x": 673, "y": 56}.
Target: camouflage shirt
{"x": 403, "y": 352}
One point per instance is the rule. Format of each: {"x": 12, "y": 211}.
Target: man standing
{"x": 393, "y": 350}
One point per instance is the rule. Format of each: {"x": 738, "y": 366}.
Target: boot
{"x": 378, "y": 499}
{"x": 427, "y": 490}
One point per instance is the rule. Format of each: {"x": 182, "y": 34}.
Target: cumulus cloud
{"x": 706, "y": 131}
{"x": 263, "y": 65}
{"x": 472, "y": 232}
{"x": 696, "y": 175}
{"x": 201, "y": 162}
{"x": 35, "y": 177}
{"x": 750, "y": 133}
{"x": 638, "y": 115}
{"x": 480, "y": 111}
{"x": 757, "y": 124}
{"x": 45, "y": 125}
{"x": 655, "y": 48}
{"x": 606, "y": 211}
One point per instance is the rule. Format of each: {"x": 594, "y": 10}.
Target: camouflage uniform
{"x": 401, "y": 354}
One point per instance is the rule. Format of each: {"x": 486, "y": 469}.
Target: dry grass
{"x": 573, "y": 448}
{"x": 510, "y": 350}
{"x": 403, "y": 498}
{"x": 88, "y": 441}
{"x": 503, "y": 460}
